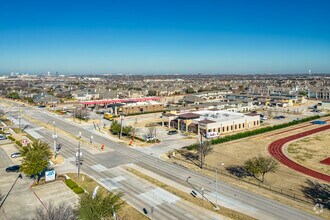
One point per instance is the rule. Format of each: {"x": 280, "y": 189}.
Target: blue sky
{"x": 165, "y": 36}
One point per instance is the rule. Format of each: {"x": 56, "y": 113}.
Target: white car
{"x": 264, "y": 118}
{"x": 15, "y": 155}
{"x": 149, "y": 138}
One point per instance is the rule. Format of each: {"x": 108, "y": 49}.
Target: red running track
{"x": 276, "y": 150}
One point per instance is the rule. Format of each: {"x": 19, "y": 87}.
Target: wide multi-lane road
{"x": 104, "y": 167}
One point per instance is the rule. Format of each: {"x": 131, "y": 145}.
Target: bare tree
{"x": 204, "y": 149}
{"x": 53, "y": 212}
{"x": 260, "y": 165}
{"x": 151, "y": 131}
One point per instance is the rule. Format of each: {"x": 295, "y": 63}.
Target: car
{"x": 8, "y": 134}
{"x": 264, "y": 118}
{"x": 2, "y": 137}
{"x": 150, "y": 138}
{"x": 318, "y": 122}
{"x": 172, "y": 132}
{"x": 13, "y": 169}
{"x": 41, "y": 106}
{"x": 15, "y": 155}
{"x": 281, "y": 116}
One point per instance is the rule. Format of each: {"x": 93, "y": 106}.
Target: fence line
{"x": 282, "y": 191}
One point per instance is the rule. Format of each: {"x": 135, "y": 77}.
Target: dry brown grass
{"x": 311, "y": 150}
{"x": 236, "y": 152}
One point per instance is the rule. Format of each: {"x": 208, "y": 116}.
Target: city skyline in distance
{"x": 147, "y": 37}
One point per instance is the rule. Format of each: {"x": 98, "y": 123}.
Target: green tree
{"x": 35, "y": 158}
{"x": 303, "y": 93}
{"x": 13, "y": 95}
{"x": 29, "y": 100}
{"x": 190, "y": 90}
{"x": 127, "y": 130}
{"x": 260, "y": 165}
{"x": 99, "y": 207}
{"x": 152, "y": 93}
{"x": 115, "y": 127}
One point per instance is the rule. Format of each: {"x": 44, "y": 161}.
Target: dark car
{"x": 172, "y": 132}
{"x": 319, "y": 122}
{"x": 281, "y": 116}
{"x": 13, "y": 169}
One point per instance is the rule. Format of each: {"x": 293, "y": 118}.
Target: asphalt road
{"x": 239, "y": 199}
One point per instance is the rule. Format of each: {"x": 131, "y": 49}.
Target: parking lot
{"x": 23, "y": 201}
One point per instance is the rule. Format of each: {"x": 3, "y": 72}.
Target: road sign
{"x": 50, "y": 175}
{"x": 25, "y": 142}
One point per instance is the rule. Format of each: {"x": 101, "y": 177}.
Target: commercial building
{"x": 211, "y": 121}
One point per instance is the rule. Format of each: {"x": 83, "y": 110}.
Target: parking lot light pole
{"x": 3, "y": 201}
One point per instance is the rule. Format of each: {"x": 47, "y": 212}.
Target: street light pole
{"x": 121, "y": 125}
{"x": 216, "y": 186}
{"x": 54, "y": 139}
{"x": 78, "y": 156}
{"x": 201, "y": 149}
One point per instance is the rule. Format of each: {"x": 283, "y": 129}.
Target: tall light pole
{"x": 121, "y": 125}
{"x": 54, "y": 139}
{"x": 216, "y": 186}
{"x": 78, "y": 156}
{"x": 201, "y": 148}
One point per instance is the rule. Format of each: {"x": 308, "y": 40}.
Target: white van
{"x": 210, "y": 135}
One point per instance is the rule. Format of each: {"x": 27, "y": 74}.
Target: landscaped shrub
{"x": 71, "y": 184}
{"x": 245, "y": 134}
{"x": 78, "y": 190}
{"x": 140, "y": 139}
{"x": 18, "y": 143}
{"x": 11, "y": 138}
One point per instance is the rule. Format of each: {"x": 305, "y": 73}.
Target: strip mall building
{"x": 211, "y": 121}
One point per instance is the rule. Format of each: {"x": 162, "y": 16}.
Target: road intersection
{"x": 107, "y": 167}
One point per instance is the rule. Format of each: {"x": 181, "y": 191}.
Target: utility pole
{"x": 54, "y": 139}
{"x": 19, "y": 119}
{"x": 121, "y": 125}
{"x": 201, "y": 149}
{"x": 79, "y": 156}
